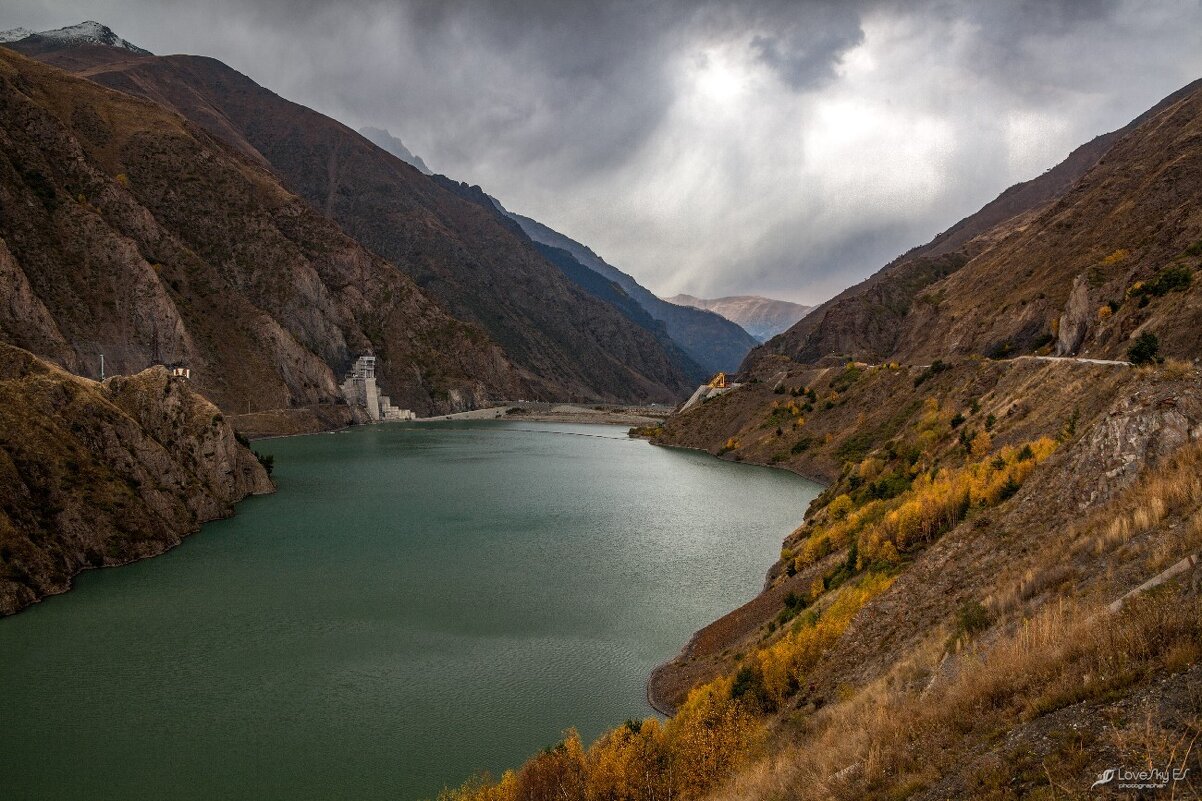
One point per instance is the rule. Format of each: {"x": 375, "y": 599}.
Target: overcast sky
{"x": 779, "y": 148}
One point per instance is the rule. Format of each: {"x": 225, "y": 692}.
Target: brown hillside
{"x": 866, "y": 321}
{"x": 862, "y": 411}
{"x": 571, "y": 344}
{"x": 101, "y": 474}
{"x": 129, "y": 232}
{"x": 1135, "y": 217}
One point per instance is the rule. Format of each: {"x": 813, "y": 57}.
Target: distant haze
{"x": 718, "y": 147}
{"x": 763, "y": 318}
{"x": 395, "y": 146}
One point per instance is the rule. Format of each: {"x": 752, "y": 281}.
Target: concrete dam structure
{"x": 361, "y": 391}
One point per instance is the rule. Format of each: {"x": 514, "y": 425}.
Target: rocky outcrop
{"x": 95, "y": 474}
{"x": 1140, "y": 430}
{"x": 1074, "y": 322}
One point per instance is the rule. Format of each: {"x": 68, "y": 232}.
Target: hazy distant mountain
{"x": 763, "y": 318}
{"x": 85, "y": 33}
{"x": 713, "y": 341}
{"x": 383, "y": 139}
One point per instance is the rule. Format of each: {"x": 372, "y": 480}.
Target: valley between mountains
{"x": 995, "y": 596}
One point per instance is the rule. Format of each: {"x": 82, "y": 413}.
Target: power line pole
{"x": 102, "y": 367}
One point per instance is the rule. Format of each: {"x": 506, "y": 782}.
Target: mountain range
{"x": 996, "y": 595}
{"x": 85, "y": 33}
{"x": 461, "y": 305}
{"x": 708, "y": 343}
{"x": 713, "y": 341}
{"x": 132, "y": 234}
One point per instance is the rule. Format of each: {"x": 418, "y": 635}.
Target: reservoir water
{"x": 416, "y": 604}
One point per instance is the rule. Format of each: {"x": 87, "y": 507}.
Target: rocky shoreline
{"x": 97, "y": 474}
{"x": 561, "y": 413}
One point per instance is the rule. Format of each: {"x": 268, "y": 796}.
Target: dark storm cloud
{"x": 708, "y": 146}
{"x": 806, "y": 52}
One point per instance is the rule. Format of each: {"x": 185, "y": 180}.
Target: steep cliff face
{"x": 130, "y": 233}
{"x": 565, "y": 343}
{"x": 95, "y": 474}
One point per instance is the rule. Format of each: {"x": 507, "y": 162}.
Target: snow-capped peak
{"x": 89, "y": 32}
{"x": 15, "y": 35}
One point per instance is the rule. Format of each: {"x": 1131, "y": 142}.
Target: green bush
{"x": 1145, "y": 350}
{"x": 802, "y": 444}
{"x": 749, "y": 686}
{"x": 889, "y": 486}
{"x": 1008, "y": 489}
{"x": 1171, "y": 279}
{"x": 972, "y": 618}
{"x": 265, "y": 459}
{"x": 935, "y": 369}
{"x": 857, "y": 446}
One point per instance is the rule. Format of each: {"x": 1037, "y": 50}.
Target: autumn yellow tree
{"x": 557, "y": 774}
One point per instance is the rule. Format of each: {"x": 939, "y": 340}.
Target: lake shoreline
{"x": 656, "y": 702}
{"x": 536, "y": 579}
{"x": 629, "y": 416}
{"x": 559, "y": 413}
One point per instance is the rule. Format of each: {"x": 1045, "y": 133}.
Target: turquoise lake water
{"x": 416, "y": 604}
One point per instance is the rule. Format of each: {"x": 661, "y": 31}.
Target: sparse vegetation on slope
{"x": 869, "y": 618}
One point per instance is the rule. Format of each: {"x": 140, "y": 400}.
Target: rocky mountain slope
{"x": 594, "y": 283}
{"x": 873, "y": 319}
{"x": 566, "y": 343}
{"x": 130, "y": 233}
{"x": 763, "y": 318}
{"x": 95, "y": 474}
{"x": 959, "y": 614}
{"x": 712, "y": 341}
